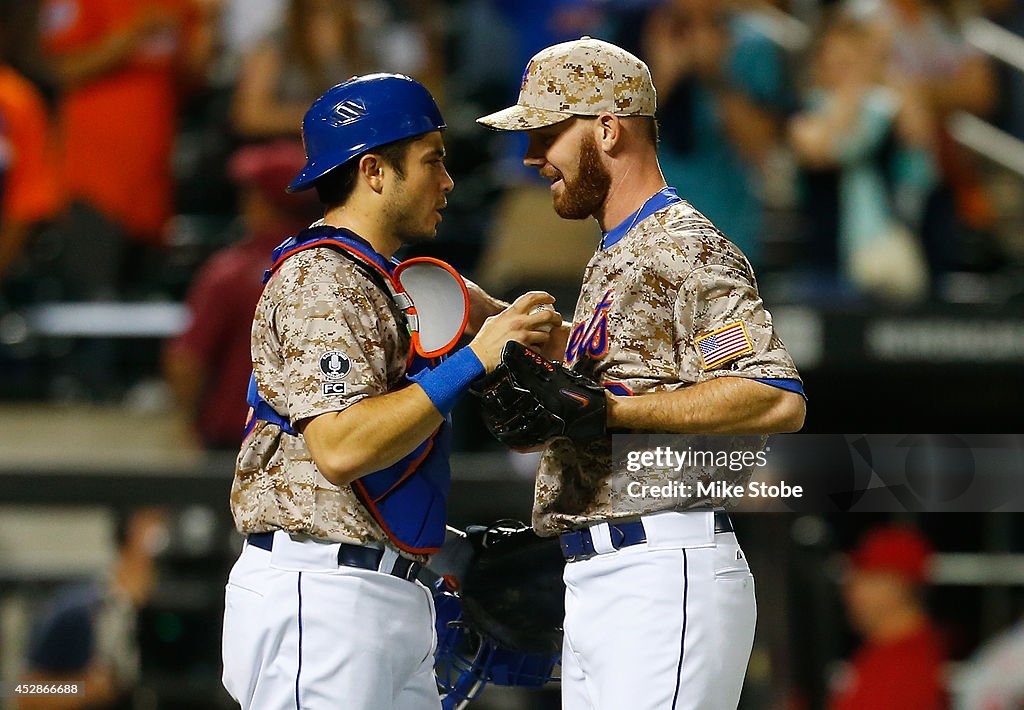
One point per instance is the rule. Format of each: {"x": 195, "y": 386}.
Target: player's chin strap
{"x": 429, "y": 294}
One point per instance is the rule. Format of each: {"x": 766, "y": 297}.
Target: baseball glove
{"x": 528, "y": 400}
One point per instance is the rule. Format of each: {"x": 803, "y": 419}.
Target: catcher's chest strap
{"x": 443, "y": 313}
{"x": 351, "y": 246}
{"x": 260, "y": 409}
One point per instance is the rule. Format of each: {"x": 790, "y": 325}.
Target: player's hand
{"x": 522, "y": 322}
{"x": 554, "y": 349}
{"x": 482, "y": 306}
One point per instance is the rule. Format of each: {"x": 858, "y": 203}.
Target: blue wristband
{"x": 445, "y": 383}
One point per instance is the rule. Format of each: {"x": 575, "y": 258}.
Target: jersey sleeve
{"x": 333, "y": 344}
{"x": 30, "y": 193}
{"x": 723, "y": 329}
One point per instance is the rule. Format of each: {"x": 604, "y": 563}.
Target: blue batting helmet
{"x": 359, "y": 114}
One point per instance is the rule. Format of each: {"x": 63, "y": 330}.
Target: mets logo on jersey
{"x": 591, "y": 337}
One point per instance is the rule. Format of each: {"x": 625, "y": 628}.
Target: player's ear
{"x": 608, "y": 130}
{"x": 371, "y": 170}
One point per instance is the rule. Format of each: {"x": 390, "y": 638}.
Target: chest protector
{"x": 409, "y": 498}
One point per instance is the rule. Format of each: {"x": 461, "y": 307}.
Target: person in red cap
{"x": 899, "y": 664}
{"x": 207, "y": 366}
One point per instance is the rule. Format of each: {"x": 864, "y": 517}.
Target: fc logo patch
{"x": 335, "y": 364}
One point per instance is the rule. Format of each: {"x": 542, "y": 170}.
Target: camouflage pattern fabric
{"x": 324, "y": 337}
{"x": 645, "y": 303}
{"x": 585, "y": 77}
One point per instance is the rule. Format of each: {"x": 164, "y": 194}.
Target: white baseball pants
{"x": 662, "y": 625}
{"x": 302, "y": 633}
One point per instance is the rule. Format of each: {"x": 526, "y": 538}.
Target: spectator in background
{"x": 722, "y": 92}
{"x": 322, "y": 43}
{"x": 407, "y": 37}
{"x": 28, "y": 187}
{"x": 541, "y": 23}
{"x": 87, "y": 633}
{"x": 208, "y": 366}
{"x": 928, "y": 53}
{"x": 120, "y": 65}
{"x": 319, "y": 45}
{"x": 866, "y": 150}
{"x": 246, "y": 23}
{"x": 899, "y": 663}
{"x": 19, "y": 41}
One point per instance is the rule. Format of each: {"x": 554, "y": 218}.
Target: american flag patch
{"x": 723, "y": 345}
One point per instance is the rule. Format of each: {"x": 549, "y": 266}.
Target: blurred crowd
{"x": 817, "y": 135}
{"x": 144, "y": 145}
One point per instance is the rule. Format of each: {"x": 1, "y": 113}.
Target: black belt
{"x": 579, "y": 545}
{"x": 352, "y": 556}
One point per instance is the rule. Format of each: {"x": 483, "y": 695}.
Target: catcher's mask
{"x": 500, "y": 605}
{"x": 513, "y": 589}
{"x": 466, "y": 660}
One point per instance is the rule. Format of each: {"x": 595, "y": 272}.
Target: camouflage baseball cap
{"x": 584, "y": 77}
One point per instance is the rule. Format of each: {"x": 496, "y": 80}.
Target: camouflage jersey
{"x": 324, "y": 337}
{"x": 670, "y": 304}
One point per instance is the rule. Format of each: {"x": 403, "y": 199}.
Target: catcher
{"x": 341, "y": 482}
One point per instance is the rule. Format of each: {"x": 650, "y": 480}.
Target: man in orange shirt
{"x": 119, "y": 64}
{"x": 28, "y": 190}
{"x": 899, "y": 664}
